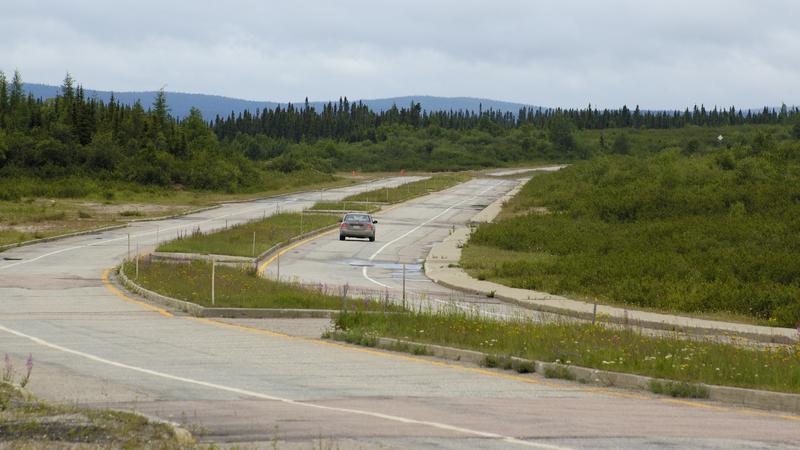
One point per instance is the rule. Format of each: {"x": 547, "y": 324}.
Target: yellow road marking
{"x": 292, "y": 247}
{"x": 120, "y": 294}
{"x": 524, "y": 379}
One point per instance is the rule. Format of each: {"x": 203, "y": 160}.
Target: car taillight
{"x": 369, "y": 226}
{"x": 344, "y": 225}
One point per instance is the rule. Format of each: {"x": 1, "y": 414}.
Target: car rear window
{"x": 356, "y": 218}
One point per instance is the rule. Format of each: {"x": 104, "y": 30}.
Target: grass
{"x": 559, "y": 371}
{"x": 26, "y": 422}
{"x": 345, "y": 205}
{"x": 679, "y": 390}
{"x": 776, "y": 368}
{"x": 34, "y": 209}
{"x": 240, "y": 288}
{"x": 714, "y": 233}
{"x": 238, "y": 239}
{"x": 396, "y": 194}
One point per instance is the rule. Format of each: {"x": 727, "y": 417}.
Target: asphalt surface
{"x": 253, "y": 382}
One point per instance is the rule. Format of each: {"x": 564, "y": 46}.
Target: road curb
{"x": 193, "y": 309}
{"x": 752, "y": 398}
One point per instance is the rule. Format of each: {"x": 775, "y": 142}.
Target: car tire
{"x": 341, "y": 237}
{"x": 372, "y": 238}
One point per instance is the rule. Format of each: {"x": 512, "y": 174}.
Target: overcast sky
{"x": 658, "y": 54}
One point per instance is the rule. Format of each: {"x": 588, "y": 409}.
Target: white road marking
{"x": 244, "y": 392}
{"x": 371, "y": 258}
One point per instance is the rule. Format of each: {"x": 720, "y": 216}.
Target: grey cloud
{"x": 657, "y": 54}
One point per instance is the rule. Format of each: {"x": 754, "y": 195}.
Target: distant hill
{"x": 213, "y": 105}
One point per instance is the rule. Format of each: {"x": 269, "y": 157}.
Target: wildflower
{"x": 29, "y": 368}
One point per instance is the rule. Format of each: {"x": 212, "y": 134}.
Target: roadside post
{"x": 278, "y": 266}
{"x": 213, "y": 269}
{"x": 137, "y": 260}
{"x": 254, "y": 244}
{"x": 129, "y": 246}
{"x": 404, "y": 286}
{"x": 156, "y": 236}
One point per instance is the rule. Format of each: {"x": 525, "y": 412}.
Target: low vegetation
{"x": 238, "y": 239}
{"x": 35, "y": 209}
{"x": 701, "y": 227}
{"x": 241, "y": 288}
{"x": 611, "y": 348}
{"x": 365, "y": 201}
{"x": 682, "y": 390}
{"x": 26, "y": 422}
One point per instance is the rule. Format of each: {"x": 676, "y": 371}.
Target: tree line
{"x": 75, "y": 135}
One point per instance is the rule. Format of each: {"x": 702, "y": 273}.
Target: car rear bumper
{"x": 350, "y": 232}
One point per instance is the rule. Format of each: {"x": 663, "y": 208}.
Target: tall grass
{"x": 239, "y": 288}
{"x": 716, "y": 233}
{"x": 238, "y": 239}
{"x": 596, "y": 346}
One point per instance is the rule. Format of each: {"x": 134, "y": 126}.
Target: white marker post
{"x": 137, "y": 260}
{"x": 129, "y": 246}
{"x": 278, "y": 277}
{"x": 404, "y": 286}
{"x": 254, "y": 244}
{"x": 213, "y": 270}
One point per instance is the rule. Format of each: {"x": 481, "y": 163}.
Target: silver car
{"x": 359, "y": 225}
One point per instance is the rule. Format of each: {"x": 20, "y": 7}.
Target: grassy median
{"x": 609, "y": 348}
{"x": 238, "y": 239}
{"x": 241, "y": 288}
{"x": 396, "y": 194}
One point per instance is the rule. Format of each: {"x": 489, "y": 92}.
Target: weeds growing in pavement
{"x": 678, "y": 389}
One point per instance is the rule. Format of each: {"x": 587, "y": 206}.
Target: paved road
{"x": 240, "y": 382}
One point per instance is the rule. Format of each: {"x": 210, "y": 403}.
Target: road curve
{"x": 94, "y": 346}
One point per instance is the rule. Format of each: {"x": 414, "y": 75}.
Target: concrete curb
{"x": 193, "y": 309}
{"x": 62, "y": 236}
{"x": 441, "y": 266}
{"x": 725, "y": 394}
